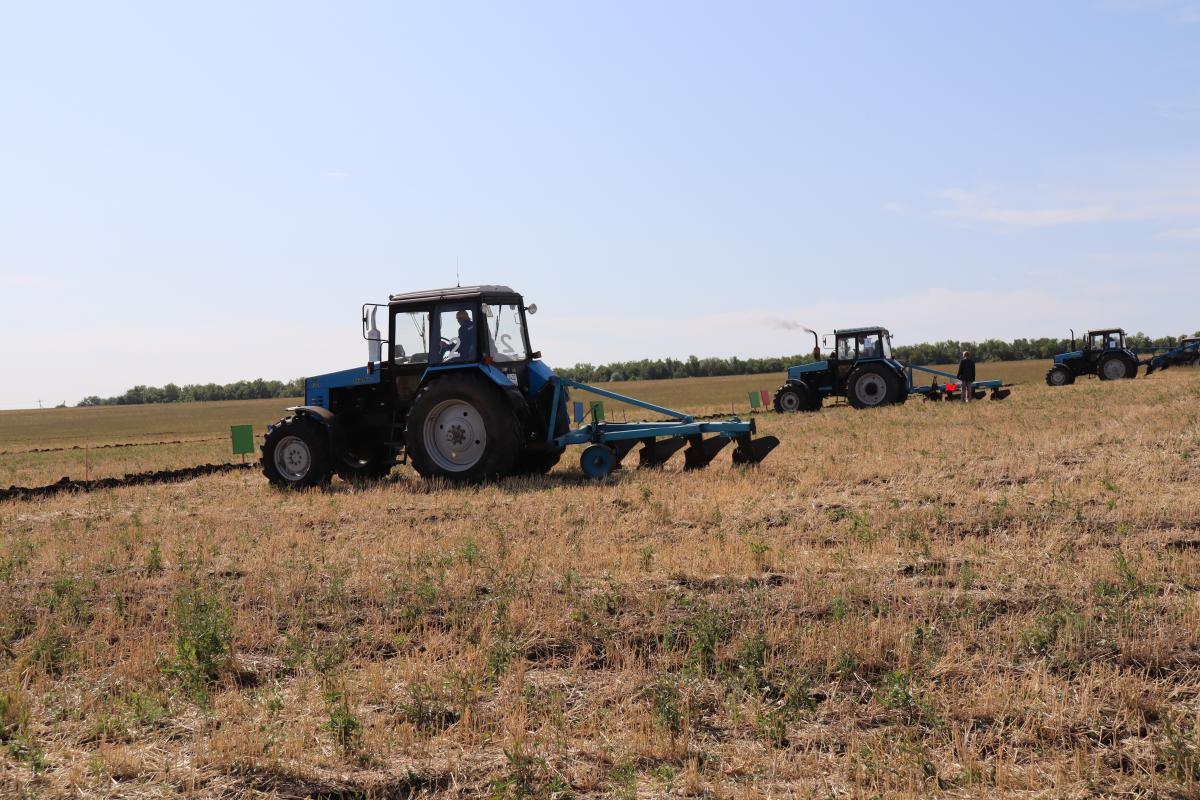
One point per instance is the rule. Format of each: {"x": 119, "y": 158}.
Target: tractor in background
{"x": 1104, "y": 354}
{"x": 455, "y": 387}
{"x": 862, "y": 369}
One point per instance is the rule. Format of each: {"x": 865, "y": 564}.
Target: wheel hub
{"x": 870, "y": 389}
{"x": 455, "y": 435}
{"x": 293, "y": 458}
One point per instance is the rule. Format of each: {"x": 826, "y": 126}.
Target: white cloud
{"x": 1179, "y": 234}
{"x": 981, "y": 207}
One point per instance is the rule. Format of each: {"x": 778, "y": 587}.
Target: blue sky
{"x": 208, "y": 192}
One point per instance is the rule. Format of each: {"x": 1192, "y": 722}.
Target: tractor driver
{"x": 466, "y": 336}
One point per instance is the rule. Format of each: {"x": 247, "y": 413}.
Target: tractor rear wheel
{"x": 370, "y": 464}
{"x": 295, "y": 454}
{"x": 461, "y": 429}
{"x": 1117, "y": 367}
{"x": 1059, "y": 375}
{"x": 872, "y": 385}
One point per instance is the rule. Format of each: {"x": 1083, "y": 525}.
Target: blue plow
{"x": 951, "y": 391}
{"x": 1186, "y": 353}
{"x": 607, "y": 443}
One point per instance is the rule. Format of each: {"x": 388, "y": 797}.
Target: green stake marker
{"x": 242, "y": 437}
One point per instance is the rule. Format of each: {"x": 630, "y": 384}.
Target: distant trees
{"x": 256, "y": 389}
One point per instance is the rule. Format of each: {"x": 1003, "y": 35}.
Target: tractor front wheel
{"x": 1117, "y": 367}
{"x": 461, "y": 429}
{"x": 793, "y": 397}
{"x": 1059, "y": 375}
{"x": 295, "y": 454}
{"x": 872, "y": 385}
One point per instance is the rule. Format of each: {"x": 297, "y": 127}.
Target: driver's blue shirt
{"x": 466, "y": 341}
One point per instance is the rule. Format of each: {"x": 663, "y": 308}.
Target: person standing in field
{"x": 966, "y": 375}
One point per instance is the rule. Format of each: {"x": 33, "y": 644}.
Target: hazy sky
{"x": 208, "y": 191}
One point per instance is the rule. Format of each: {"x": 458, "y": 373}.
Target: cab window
{"x": 870, "y": 347}
{"x": 506, "y": 334}
{"x": 457, "y": 340}
{"x": 411, "y": 340}
{"x": 845, "y": 348}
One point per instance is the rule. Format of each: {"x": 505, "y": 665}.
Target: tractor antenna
{"x": 457, "y": 272}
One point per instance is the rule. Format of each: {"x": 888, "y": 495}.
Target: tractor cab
{"x": 857, "y": 344}
{"x": 1106, "y": 339}
{"x": 456, "y": 327}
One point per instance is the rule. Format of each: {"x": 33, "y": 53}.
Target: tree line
{"x": 257, "y": 389}
{"x": 947, "y": 352}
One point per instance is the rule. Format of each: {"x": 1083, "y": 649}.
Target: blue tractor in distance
{"x": 457, "y": 389}
{"x": 1104, "y": 354}
{"x": 861, "y": 368}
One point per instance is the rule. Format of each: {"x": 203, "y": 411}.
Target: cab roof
{"x": 456, "y": 293}
{"x": 1099, "y": 331}
{"x": 864, "y": 329}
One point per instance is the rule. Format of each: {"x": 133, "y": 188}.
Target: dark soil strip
{"x": 106, "y": 446}
{"x": 136, "y": 479}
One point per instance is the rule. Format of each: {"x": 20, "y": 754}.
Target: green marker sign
{"x": 243, "y": 439}
{"x": 598, "y": 410}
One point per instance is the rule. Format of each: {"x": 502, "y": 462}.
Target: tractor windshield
{"x": 506, "y": 334}
{"x": 845, "y": 348}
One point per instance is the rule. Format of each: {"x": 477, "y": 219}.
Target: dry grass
{"x": 930, "y": 599}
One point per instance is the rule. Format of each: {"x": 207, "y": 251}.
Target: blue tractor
{"x": 861, "y": 368}
{"x": 1104, "y": 354}
{"x": 456, "y": 388}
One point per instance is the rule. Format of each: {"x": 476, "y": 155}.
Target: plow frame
{"x": 617, "y": 438}
{"x": 1164, "y": 357}
{"x": 998, "y": 388}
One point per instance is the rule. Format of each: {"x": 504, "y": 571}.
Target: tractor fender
{"x": 326, "y": 419}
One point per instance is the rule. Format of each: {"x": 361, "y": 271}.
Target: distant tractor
{"x": 1104, "y": 354}
{"x": 457, "y": 389}
{"x": 861, "y": 368}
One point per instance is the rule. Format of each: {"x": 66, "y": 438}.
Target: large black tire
{"x": 372, "y": 464}
{"x": 295, "y": 454}
{"x": 795, "y": 396}
{"x": 872, "y": 385}
{"x": 1059, "y": 375}
{"x": 1116, "y": 367}
{"x": 462, "y": 429}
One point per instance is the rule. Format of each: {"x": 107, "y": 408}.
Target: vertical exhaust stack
{"x": 374, "y": 343}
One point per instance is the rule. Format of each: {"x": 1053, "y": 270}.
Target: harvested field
{"x": 992, "y": 600}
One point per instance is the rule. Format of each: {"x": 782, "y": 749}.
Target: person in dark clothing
{"x": 966, "y": 375}
{"x": 466, "y": 336}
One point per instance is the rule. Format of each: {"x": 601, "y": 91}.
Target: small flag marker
{"x": 755, "y": 399}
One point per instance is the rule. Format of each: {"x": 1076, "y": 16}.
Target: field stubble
{"x": 988, "y": 600}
